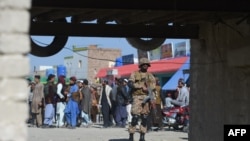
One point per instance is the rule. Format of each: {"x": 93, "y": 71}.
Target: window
{"x": 80, "y": 64}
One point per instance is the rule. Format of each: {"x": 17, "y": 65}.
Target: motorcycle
{"x": 176, "y": 117}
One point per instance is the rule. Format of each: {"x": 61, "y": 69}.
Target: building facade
{"x": 166, "y": 60}
{"x": 87, "y": 61}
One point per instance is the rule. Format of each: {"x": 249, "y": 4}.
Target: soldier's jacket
{"x": 141, "y": 79}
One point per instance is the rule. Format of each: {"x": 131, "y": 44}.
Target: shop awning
{"x": 159, "y": 66}
{"x": 180, "y": 73}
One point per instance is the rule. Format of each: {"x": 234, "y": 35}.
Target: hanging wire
{"x": 117, "y": 61}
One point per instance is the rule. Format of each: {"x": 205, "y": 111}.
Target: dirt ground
{"x": 96, "y": 133}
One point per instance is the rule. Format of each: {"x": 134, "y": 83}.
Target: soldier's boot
{"x": 131, "y": 137}
{"x": 142, "y": 137}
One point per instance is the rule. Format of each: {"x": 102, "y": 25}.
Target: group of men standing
{"x": 113, "y": 102}
{"x": 67, "y": 105}
{"x": 120, "y": 102}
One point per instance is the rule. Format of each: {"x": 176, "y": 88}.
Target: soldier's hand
{"x": 144, "y": 89}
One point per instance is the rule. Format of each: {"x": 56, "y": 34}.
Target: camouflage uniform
{"x": 139, "y": 109}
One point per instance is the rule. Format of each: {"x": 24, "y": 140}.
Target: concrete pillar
{"x": 219, "y": 86}
{"x": 14, "y": 45}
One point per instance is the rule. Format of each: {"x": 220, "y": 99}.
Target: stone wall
{"x": 220, "y": 79}
{"x": 14, "y": 46}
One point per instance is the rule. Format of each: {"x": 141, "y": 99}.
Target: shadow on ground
{"x": 184, "y": 138}
{"x": 118, "y": 140}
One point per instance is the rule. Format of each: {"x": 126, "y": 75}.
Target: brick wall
{"x": 105, "y": 55}
{"x": 14, "y": 44}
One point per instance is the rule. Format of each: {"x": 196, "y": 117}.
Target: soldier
{"x": 142, "y": 87}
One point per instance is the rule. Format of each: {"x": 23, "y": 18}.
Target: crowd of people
{"x": 62, "y": 105}
{"x": 124, "y": 103}
{"x": 78, "y": 104}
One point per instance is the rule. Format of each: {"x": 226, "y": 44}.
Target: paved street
{"x": 96, "y": 133}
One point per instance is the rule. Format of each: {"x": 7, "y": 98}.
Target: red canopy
{"x": 159, "y": 66}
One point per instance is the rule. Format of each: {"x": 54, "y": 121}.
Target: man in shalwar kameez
{"x": 49, "y": 91}
{"x": 37, "y": 102}
{"x": 86, "y": 103}
{"x": 72, "y": 108}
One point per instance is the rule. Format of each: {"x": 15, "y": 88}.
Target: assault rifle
{"x": 150, "y": 98}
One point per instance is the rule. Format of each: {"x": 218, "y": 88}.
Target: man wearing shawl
{"x": 86, "y": 103}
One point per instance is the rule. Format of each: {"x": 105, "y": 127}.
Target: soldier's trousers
{"x": 139, "y": 111}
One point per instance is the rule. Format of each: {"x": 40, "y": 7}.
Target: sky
{"x": 101, "y": 42}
